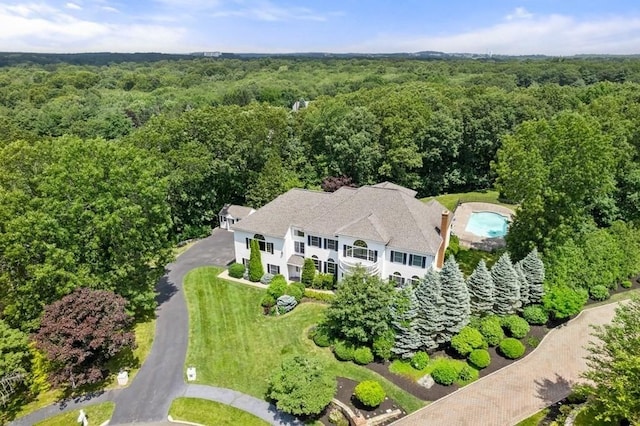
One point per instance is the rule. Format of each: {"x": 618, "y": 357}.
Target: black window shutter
{"x": 424, "y": 262}
{"x": 309, "y": 239}
{"x": 410, "y": 260}
{"x": 375, "y": 256}
{"x": 404, "y": 258}
{"x": 247, "y": 241}
{"x": 344, "y": 250}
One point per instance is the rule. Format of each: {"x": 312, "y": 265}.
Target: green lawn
{"x": 96, "y": 414}
{"x": 450, "y": 201}
{"x": 232, "y": 344}
{"x": 535, "y": 419}
{"x": 210, "y": 413}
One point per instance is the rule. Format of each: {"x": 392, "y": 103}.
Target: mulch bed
{"x": 345, "y": 395}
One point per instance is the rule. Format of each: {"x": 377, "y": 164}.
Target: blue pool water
{"x": 488, "y": 224}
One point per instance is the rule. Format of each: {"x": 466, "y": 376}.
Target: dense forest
{"x": 105, "y": 167}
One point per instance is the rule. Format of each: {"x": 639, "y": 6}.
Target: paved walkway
{"x": 161, "y": 378}
{"x": 520, "y": 390}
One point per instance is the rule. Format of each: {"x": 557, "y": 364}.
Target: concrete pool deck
{"x": 467, "y": 239}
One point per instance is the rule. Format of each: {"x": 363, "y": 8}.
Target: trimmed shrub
{"x": 321, "y": 337}
{"x": 324, "y": 281}
{"x": 278, "y": 286}
{"x": 626, "y": 284}
{"x": 256, "y": 271}
{"x": 343, "y": 351}
{"x": 236, "y": 270}
{"x": 363, "y": 355}
{"x": 267, "y": 301}
{"x": 298, "y": 285}
{"x": 266, "y": 278}
{"x": 466, "y": 373}
{"x": 515, "y": 326}
{"x": 491, "y": 329}
{"x": 295, "y": 292}
{"x": 420, "y": 360}
{"x": 445, "y": 374}
{"x": 599, "y": 292}
{"x": 285, "y": 304}
{"x": 480, "y": 358}
{"x": 382, "y": 345}
{"x": 511, "y": 348}
{"x": 467, "y": 340}
{"x": 370, "y": 393}
{"x": 535, "y": 315}
{"x": 318, "y": 295}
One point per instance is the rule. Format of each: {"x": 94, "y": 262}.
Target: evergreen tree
{"x": 429, "y": 320}
{"x": 523, "y": 283}
{"x": 404, "y": 311}
{"x": 506, "y": 294}
{"x": 256, "y": 271}
{"x": 480, "y": 286}
{"x": 457, "y": 309}
{"x": 308, "y": 272}
{"x": 533, "y": 269}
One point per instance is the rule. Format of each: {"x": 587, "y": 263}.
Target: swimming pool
{"x": 487, "y": 224}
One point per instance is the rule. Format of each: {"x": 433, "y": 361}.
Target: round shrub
{"x": 343, "y": 351}
{"x": 599, "y": 292}
{"x": 236, "y": 270}
{"x": 445, "y": 374}
{"x": 491, "y": 329}
{"x": 295, "y": 292}
{"x": 467, "y": 340}
{"x": 277, "y": 287}
{"x": 420, "y": 360}
{"x": 511, "y": 348}
{"x": 363, "y": 356}
{"x": 298, "y": 285}
{"x": 383, "y": 344}
{"x": 266, "y": 278}
{"x": 322, "y": 339}
{"x": 267, "y": 301}
{"x": 535, "y": 315}
{"x": 515, "y": 326}
{"x": 370, "y": 393}
{"x": 626, "y": 284}
{"x": 466, "y": 373}
{"x": 480, "y": 358}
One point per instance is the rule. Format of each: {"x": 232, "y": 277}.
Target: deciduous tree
{"x": 81, "y": 332}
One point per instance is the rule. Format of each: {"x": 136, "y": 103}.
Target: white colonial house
{"x": 383, "y": 228}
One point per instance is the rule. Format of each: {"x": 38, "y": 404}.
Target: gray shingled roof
{"x": 386, "y": 213}
{"x": 239, "y": 212}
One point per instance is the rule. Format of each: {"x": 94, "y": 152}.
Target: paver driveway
{"x": 516, "y": 392}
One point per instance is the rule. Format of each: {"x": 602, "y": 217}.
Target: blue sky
{"x": 552, "y": 27}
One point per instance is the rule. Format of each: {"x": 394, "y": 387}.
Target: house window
{"x": 330, "y": 244}
{"x": 330, "y": 267}
{"x": 314, "y": 241}
{"x": 298, "y": 233}
{"x": 417, "y": 261}
{"x": 398, "y": 257}
{"x": 397, "y": 279}
{"x": 414, "y": 280}
{"x": 264, "y": 246}
{"x": 245, "y": 262}
{"x": 359, "y": 250}
{"x": 298, "y": 247}
{"x": 273, "y": 269}
{"x": 316, "y": 262}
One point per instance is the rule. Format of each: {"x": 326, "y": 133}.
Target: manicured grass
{"x": 211, "y": 413}
{"x": 587, "y": 417}
{"x": 404, "y": 368}
{"x": 535, "y": 419}
{"x": 468, "y": 259}
{"x": 233, "y": 345}
{"x": 451, "y": 201}
{"x": 132, "y": 360}
{"x": 96, "y": 414}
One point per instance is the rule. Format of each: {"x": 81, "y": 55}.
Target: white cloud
{"x": 528, "y": 34}
{"x": 41, "y": 28}
{"x": 519, "y": 13}
{"x": 73, "y": 6}
{"x": 109, "y": 9}
{"x": 267, "y": 11}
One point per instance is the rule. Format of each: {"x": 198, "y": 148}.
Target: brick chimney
{"x": 445, "y": 232}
